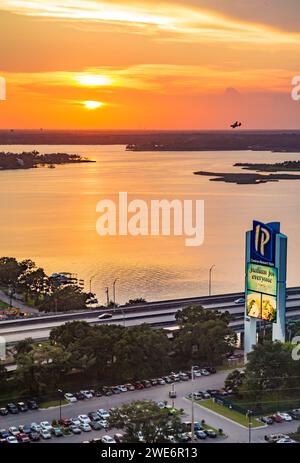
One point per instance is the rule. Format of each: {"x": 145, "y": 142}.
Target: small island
{"x": 246, "y": 179}
{"x": 287, "y": 166}
{"x": 33, "y": 159}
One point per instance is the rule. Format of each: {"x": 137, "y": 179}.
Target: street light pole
{"x": 60, "y": 397}
{"x": 193, "y": 404}
{"x": 210, "y": 277}
{"x": 91, "y": 279}
{"x": 249, "y": 415}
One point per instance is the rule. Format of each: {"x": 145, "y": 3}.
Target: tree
{"x": 9, "y": 270}
{"x": 24, "y": 346}
{"x": 271, "y": 370}
{"x": 41, "y": 369}
{"x": 64, "y": 299}
{"x": 142, "y": 352}
{"x": 197, "y": 314}
{"x": 204, "y": 337}
{"x": 3, "y": 374}
{"x": 146, "y": 421}
{"x": 234, "y": 380}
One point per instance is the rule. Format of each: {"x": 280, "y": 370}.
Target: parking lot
{"x": 234, "y": 431}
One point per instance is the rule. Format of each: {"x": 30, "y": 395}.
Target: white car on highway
{"x": 70, "y": 397}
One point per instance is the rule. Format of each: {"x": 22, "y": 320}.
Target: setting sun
{"x": 92, "y": 104}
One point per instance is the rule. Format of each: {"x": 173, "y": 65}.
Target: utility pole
{"x": 114, "y": 292}
{"x": 91, "y": 279}
{"x": 209, "y": 279}
{"x": 107, "y": 296}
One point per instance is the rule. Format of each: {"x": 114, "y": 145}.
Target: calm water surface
{"x": 49, "y": 215}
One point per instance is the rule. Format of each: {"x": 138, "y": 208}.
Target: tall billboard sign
{"x": 265, "y": 281}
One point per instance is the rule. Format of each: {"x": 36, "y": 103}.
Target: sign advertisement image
{"x": 261, "y": 292}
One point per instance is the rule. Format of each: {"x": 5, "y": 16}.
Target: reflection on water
{"x": 49, "y": 215}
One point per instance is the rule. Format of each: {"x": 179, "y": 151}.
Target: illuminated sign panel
{"x": 262, "y": 243}
{"x": 261, "y": 294}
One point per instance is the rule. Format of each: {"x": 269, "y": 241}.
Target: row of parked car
{"x": 46, "y": 430}
{"x": 281, "y": 417}
{"x": 280, "y": 439}
{"x": 19, "y": 407}
{"x": 138, "y": 385}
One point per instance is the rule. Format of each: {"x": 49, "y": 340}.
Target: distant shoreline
{"x": 33, "y": 160}
{"x": 280, "y": 141}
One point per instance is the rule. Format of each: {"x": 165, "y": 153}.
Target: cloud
{"x": 168, "y": 21}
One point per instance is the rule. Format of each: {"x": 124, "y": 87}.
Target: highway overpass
{"x": 157, "y": 314}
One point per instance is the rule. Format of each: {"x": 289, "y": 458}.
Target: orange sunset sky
{"x": 114, "y": 64}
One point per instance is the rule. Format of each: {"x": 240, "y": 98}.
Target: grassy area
{"x": 3, "y": 305}
{"x": 53, "y": 403}
{"x": 231, "y": 414}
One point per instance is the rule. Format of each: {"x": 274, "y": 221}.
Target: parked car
{"x": 46, "y": 426}
{"x": 12, "y": 408}
{"x": 23, "y": 438}
{"x": 129, "y": 387}
{"x": 184, "y": 437}
{"x": 161, "y": 381}
{"x": 205, "y": 394}
{"x": 286, "y": 440}
{"x": 183, "y": 376}
{"x": 108, "y": 440}
{"x": 103, "y": 424}
{"x": 285, "y": 416}
{"x": 119, "y": 438}
{"x": 12, "y": 440}
{"x": 22, "y": 407}
{"x": 75, "y": 429}
{"x": 201, "y": 434}
{"x": 32, "y": 404}
{"x": 84, "y": 419}
{"x": 95, "y": 425}
{"x": 65, "y": 422}
{"x": 93, "y": 416}
{"x": 3, "y": 411}
{"x": 175, "y": 377}
{"x": 45, "y": 434}
{"x": 123, "y": 388}
{"x": 79, "y": 396}
{"x": 13, "y": 431}
{"x": 3, "y": 434}
{"x": 85, "y": 427}
{"x": 146, "y": 383}
{"x": 57, "y": 432}
{"x": 139, "y": 385}
{"x": 204, "y": 372}
{"x": 87, "y": 394}
{"x": 107, "y": 391}
{"x": 24, "y": 429}
{"x": 34, "y": 436}
{"x": 276, "y": 418}
{"x": 76, "y": 422}
{"x": 35, "y": 427}
{"x": 172, "y": 394}
{"x": 197, "y": 395}
{"x": 275, "y": 437}
{"x": 154, "y": 382}
{"x": 98, "y": 393}
{"x": 103, "y": 414}
{"x": 70, "y": 397}
{"x": 295, "y": 414}
{"x": 211, "y": 433}
{"x": 167, "y": 379}
{"x": 116, "y": 390}
{"x": 267, "y": 420}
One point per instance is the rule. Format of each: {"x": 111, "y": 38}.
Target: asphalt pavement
{"x": 235, "y": 433}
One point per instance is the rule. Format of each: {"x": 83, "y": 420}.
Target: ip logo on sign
{"x": 2, "y": 89}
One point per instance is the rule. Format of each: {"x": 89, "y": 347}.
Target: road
{"x": 39, "y": 328}
{"x": 235, "y": 432}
